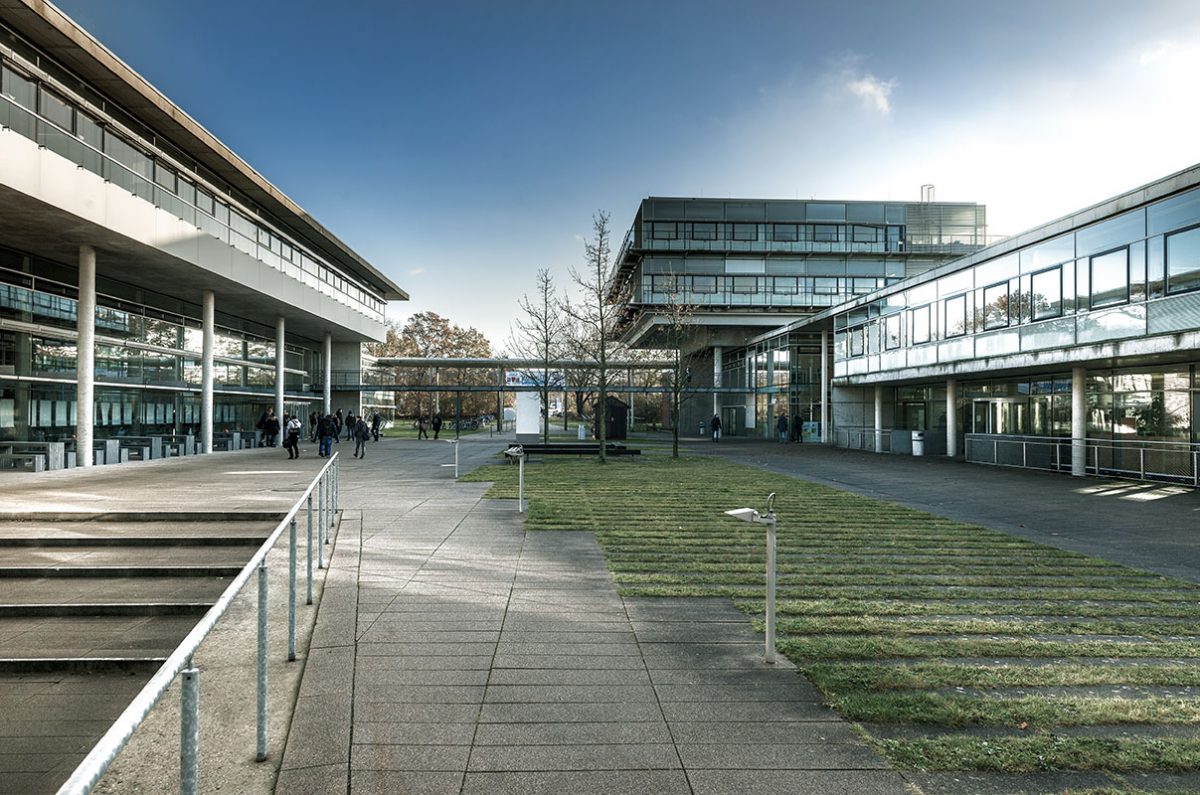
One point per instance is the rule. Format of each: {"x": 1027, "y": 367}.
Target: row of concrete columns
{"x": 1078, "y": 419}
{"x": 85, "y": 389}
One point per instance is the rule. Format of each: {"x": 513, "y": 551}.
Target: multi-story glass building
{"x": 743, "y": 268}
{"x": 151, "y": 281}
{"x": 1073, "y": 346}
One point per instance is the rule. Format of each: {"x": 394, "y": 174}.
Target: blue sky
{"x": 460, "y": 146}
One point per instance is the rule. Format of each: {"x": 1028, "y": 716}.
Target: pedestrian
{"x": 437, "y": 425}
{"x": 376, "y": 421}
{"x": 261, "y": 426}
{"x": 798, "y": 429}
{"x": 350, "y": 418}
{"x": 312, "y": 426}
{"x": 272, "y": 428}
{"x": 325, "y": 429}
{"x": 362, "y": 435}
{"x": 292, "y": 437}
{"x": 421, "y": 434}
{"x": 337, "y": 425}
{"x": 714, "y": 425}
{"x": 782, "y": 427}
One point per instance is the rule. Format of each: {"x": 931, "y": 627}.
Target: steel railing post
{"x": 1142, "y": 463}
{"x": 189, "y": 730}
{"x": 308, "y": 598}
{"x": 261, "y": 750}
{"x": 1196, "y": 468}
{"x": 521, "y": 483}
{"x": 770, "y": 651}
{"x": 321, "y": 521}
{"x": 292, "y": 590}
{"x": 336, "y": 476}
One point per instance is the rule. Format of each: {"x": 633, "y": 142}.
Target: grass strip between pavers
{"x": 887, "y": 608}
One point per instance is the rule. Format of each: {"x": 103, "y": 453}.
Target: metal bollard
{"x": 292, "y": 590}
{"x": 261, "y": 751}
{"x": 770, "y": 650}
{"x": 520, "y": 483}
{"x": 189, "y": 730}
{"x": 308, "y": 600}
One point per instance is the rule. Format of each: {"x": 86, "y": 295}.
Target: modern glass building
{"x": 744, "y": 268}
{"x": 151, "y": 281}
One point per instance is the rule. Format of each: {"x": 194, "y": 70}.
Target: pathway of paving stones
{"x": 454, "y": 653}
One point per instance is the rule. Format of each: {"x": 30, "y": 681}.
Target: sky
{"x": 462, "y": 146}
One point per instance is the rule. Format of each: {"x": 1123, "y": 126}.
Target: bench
{"x": 579, "y": 449}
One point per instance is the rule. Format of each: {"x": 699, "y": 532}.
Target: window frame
{"x": 1166, "y": 254}
{"x": 1033, "y": 309}
{"x": 1092, "y": 303}
{"x": 739, "y": 228}
{"x": 888, "y": 321}
{"x": 711, "y": 233}
{"x": 915, "y": 312}
{"x": 946, "y": 333}
{"x": 990, "y": 324}
{"x": 655, "y": 233}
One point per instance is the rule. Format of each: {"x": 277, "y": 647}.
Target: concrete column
{"x": 717, "y": 352}
{"x": 878, "y": 418}
{"x": 280, "y": 359}
{"x": 328, "y": 355}
{"x": 1078, "y": 422}
{"x": 824, "y": 387}
{"x": 951, "y": 418}
{"x": 85, "y": 362}
{"x": 206, "y": 368}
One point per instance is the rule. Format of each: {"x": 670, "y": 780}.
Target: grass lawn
{"x": 954, "y": 647}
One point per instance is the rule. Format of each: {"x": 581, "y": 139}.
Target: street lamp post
{"x": 768, "y": 519}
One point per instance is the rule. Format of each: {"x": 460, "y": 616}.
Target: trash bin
{"x": 918, "y": 442}
{"x": 582, "y": 433}
{"x": 704, "y": 429}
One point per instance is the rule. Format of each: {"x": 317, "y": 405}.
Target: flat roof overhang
{"x": 56, "y": 33}
{"x": 47, "y": 231}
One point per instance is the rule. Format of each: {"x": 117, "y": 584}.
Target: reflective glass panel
{"x": 1183, "y": 261}
{"x": 1110, "y": 278}
{"x": 1046, "y": 294}
{"x": 956, "y": 316}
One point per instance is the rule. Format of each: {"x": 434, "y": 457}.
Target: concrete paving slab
{"x": 660, "y": 782}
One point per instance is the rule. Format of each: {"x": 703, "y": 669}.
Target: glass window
{"x": 856, "y": 341}
{"x": 825, "y": 233}
{"x": 862, "y": 286}
{"x": 825, "y": 286}
{"x": 891, "y": 332}
{"x": 19, "y": 89}
{"x": 995, "y": 306}
{"x": 785, "y": 285}
{"x": 663, "y": 231}
{"x": 1173, "y": 213}
{"x": 704, "y": 284}
{"x": 785, "y": 233}
{"x": 1113, "y": 232}
{"x": 164, "y": 176}
{"x": 745, "y": 231}
{"x": 1110, "y": 278}
{"x": 920, "y": 324}
{"x": 1046, "y": 293}
{"x": 704, "y": 231}
{"x": 866, "y": 234}
{"x": 745, "y": 284}
{"x": 1183, "y": 261}
{"x": 57, "y": 110}
{"x": 955, "y": 315}
{"x": 204, "y": 200}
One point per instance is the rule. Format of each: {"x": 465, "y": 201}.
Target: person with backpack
{"x": 362, "y": 435}
{"x": 437, "y": 425}
{"x": 291, "y": 439}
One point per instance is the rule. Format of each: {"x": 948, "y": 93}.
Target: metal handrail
{"x": 89, "y": 772}
{"x": 1098, "y": 455}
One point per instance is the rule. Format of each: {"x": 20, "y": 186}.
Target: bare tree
{"x": 541, "y": 335}
{"x": 594, "y": 315}
{"x": 677, "y": 314}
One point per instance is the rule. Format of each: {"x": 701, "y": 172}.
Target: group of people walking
{"x": 323, "y": 431}
{"x": 435, "y": 423}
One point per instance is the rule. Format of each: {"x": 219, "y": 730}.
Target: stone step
{"x": 66, "y": 610}
{"x": 115, "y": 590}
{"x": 91, "y": 555}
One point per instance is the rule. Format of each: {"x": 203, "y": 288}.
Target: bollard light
{"x": 518, "y": 452}
{"x": 768, "y": 519}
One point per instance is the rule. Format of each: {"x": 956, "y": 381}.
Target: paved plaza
{"x": 455, "y": 653}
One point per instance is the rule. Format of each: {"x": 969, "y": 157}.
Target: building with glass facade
{"x": 151, "y": 281}
{"x": 742, "y": 268}
{"x": 1073, "y": 346}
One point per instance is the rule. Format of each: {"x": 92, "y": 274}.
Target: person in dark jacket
{"x": 362, "y": 435}
{"x": 271, "y": 429}
{"x": 437, "y": 425}
{"x": 312, "y": 426}
{"x": 376, "y": 421}
{"x": 325, "y": 431}
{"x": 782, "y": 427}
{"x": 421, "y": 433}
{"x": 291, "y": 436}
{"x": 714, "y": 425}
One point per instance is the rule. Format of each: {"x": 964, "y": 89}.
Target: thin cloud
{"x": 416, "y": 271}
{"x": 874, "y": 93}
